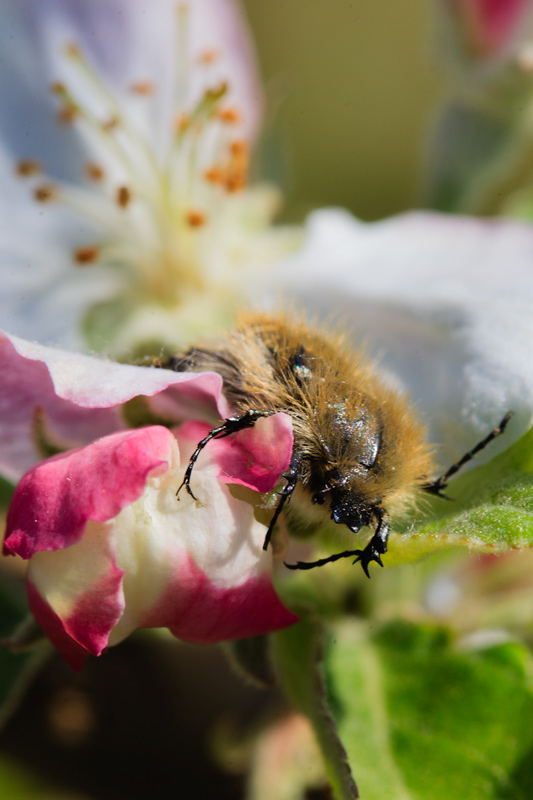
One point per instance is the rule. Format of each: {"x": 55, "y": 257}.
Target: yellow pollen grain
{"x": 123, "y": 196}
{"x": 58, "y": 88}
{"x": 208, "y": 57}
{"x": 237, "y": 169}
{"x": 110, "y": 124}
{"x": 27, "y": 167}
{"x": 143, "y": 88}
{"x": 72, "y": 50}
{"x": 195, "y": 218}
{"x": 182, "y": 123}
{"x": 215, "y": 175}
{"x": 45, "y": 193}
{"x": 239, "y": 148}
{"x": 86, "y": 255}
{"x": 235, "y": 180}
{"x": 93, "y": 171}
{"x": 216, "y": 92}
{"x": 230, "y": 115}
{"x": 66, "y": 115}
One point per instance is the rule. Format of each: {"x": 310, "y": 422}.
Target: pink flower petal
{"x": 196, "y": 610}
{"x": 489, "y": 25}
{"x": 255, "y": 458}
{"x": 95, "y": 383}
{"x": 201, "y": 559}
{"x": 86, "y": 631}
{"x": 73, "y": 653}
{"x": 80, "y": 395}
{"x": 55, "y": 499}
{"x": 76, "y": 594}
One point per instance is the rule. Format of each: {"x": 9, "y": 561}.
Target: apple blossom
{"x": 132, "y": 173}
{"x": 486, "y": 28}
{"x": 111, "y": 549}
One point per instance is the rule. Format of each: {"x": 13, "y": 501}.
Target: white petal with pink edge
{"x": 128, "y": 554}
{"x": 80, "y": 398}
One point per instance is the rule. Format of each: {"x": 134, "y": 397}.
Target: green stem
{"x": 297, "y": 656}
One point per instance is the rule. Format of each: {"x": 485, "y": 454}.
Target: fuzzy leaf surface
{"x": 491, "y": 511}
{"x": 421, "y": 716}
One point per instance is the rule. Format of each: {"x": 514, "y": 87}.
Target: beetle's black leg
{"x": 440, "y": 483}
{"x": 322, "y": 561}
{"x": 231, "y": 425}
{"x": 292, "y": 479}
{"x": 376, "y": 547}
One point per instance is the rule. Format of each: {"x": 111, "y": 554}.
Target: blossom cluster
{"x": 111, "y": 547}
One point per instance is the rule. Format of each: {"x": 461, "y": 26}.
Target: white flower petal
{"x": 445, "y": 302}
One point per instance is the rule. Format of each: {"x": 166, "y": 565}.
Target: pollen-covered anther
{"x": 93, "y": 172}
{"x": 239, "y": 149}
{"x": 72, "y": 50}
{"x": 216, "y": 92}
{"x": 195, "y": 218}
{"x": 123, "y": 197}
{"x": 237, "y": 170}
{"x": 182, "y": 122}
{"x": 208, "y": 56}
{"x": 86, "y": 255}
{"x": 215, "y": 175}
{"x": 45, "y": 193}
{"x": 66, "y": 115}
{"x": 229, "y": 115}
{"x": 110, "y": 124}
{"x": 27, "y": 167}
{"x": 143, "y": 88}
{"x": 58, "y": 88}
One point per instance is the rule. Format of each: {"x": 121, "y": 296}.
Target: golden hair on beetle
{"x": 359, "y": 453}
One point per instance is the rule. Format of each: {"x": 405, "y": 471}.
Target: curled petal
{"x": 80, "y": 396}
{"x": 112, "y": 548}
{"x": 54, "y": 500}
{"x": 76, "y": 596}
{"x": 196, "y": 610}
{"x": 255, "y": 457}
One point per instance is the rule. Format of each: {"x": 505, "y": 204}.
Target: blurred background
{"x": 352, "y": 87}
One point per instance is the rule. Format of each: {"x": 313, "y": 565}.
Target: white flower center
{"x": 156, "y": 202}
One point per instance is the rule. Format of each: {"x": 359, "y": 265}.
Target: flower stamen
{"x": 123, "y": 197}
{"x": 27, "y": 167}
{"x": 148, "y": 191}
{"x": 143, "y": 88}
{"x": 196, "y": 218}
{"x": 45, "y": 193}
{"x": 94, "y": 172}
{"x": 86, "y": 255}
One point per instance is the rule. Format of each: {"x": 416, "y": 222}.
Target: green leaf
{"x": 6, "y": 493}
{"x": 19, "y": 783}
{"x": 422, "y": 717}
{"x": 297, "y": 654}
{"x": 492, "y": 510}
